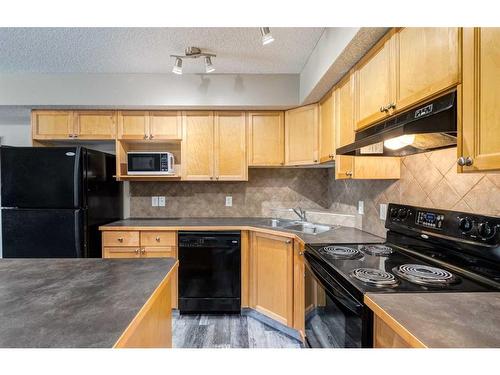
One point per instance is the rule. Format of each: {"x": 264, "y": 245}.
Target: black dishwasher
{"x": 209, "y": 272}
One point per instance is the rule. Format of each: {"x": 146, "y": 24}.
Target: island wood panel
{"x": 479, "y": 137}
{"x": 152, "y": 326}
{"x": 133, "y": 125}
{"x": 95, "y": 125}
{"x": 51, "y": 125}
{"x": 197, "y": 145}
{"x": 271, "y": 277}
{"x": 230, "y": 146}
{"x": 301, "y": 135}
{"x": 165, "y": 125}
{"x": 373, "y": 84}
{"x": 326, "y": 128}
{"x": 266, "y": 139}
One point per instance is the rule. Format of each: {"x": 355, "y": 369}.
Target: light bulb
{"x": 399, "y": 142}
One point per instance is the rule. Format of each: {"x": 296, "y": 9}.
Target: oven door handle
{"x": 334, "y": 290}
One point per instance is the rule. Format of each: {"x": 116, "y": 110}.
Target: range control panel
{"x": 466, "y": 226}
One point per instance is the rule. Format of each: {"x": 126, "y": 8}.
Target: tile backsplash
{"x": 428, "y": 180}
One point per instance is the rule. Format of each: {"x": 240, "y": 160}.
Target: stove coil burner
{"x": 341, "y": 252}
{"x": 374, "y": 277}
{"x": 425, "y": 275}
{"x": 377, "y": 250}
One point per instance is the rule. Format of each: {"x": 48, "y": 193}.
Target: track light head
{"x": 266, "y": 36}
{"x": 177, "y": 69}
{"x": 208, "y": 65}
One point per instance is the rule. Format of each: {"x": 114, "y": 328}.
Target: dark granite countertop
{"x": 440, "y": 320}
{"x": 338, "y": 235}
{"x": 55, "y": 303}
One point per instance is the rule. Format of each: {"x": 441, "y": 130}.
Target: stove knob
{"x": 402, "y": 213}
{"x": 465, "y": 224}
{"x": 394, "y": 213}
{"x": 486, "y": 231}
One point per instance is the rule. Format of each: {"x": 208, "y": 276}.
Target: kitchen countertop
{"x": 338, "y": 235}
{"x": 54, "y": 303}
{"x": 439, "y": 320}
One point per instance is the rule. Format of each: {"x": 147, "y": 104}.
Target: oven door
{"x": 334, "y": 318}
{"x": 144, "y": 163}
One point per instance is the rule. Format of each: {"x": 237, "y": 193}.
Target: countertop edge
{"x": 400, "y": 329}
{"x": 144, "y": 309}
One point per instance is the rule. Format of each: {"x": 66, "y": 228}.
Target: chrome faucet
{"x": 300, "y": 213}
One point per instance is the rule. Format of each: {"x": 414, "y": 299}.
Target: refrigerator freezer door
{"x": 42, "y": 177}
{"x": 51, "y": 233}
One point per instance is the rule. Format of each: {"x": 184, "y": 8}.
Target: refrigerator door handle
{"x": 76, "y": 178}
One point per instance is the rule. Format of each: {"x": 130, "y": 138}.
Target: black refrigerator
{"x": 53, "y": 199}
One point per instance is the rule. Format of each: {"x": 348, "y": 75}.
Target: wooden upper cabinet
{"x": 427, "y": 61}
{"x": 373, "y": 80}
{"x": 133, "y": 125}
{"x": 95, "y": 125}
{"x": 301, "y": 135}
{"x": 165, "y": 125}
{"x": 479, "y": 136}
{"x": 230, "y": 146}
{"x": 271, "y": 276}
{"x": 344, "y": 125}
{"x": 266, "y": 139}
{"x": 198, "y": 145}
{"x": 46, "y": 125}
{"x": 326, "y": 128}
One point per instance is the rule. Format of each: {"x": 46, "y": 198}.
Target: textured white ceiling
{"x": 147, "y": 50}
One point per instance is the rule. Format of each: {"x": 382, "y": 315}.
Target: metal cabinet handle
{"x": 137, "y": 251}
{"x": 157, "y": 239}
{"x": 151, "y": 136}
{"x": 211, "y": 177}
{"x": 75, "y": 135}
{"x": 145, "y": 136}
{"x": 382, "y": 109}
{"x": 465, "y": 161}
{"x": 289, "y": 241}
{"x": 143, "y": 251}
{"x": 217, "y": 178}
{"x": 348, "y": 173}
{"x": 392, "y": 105}
{"x": 120, "y": 239}
{"x": 301, "y": 253}
{"x": 316, "y": 160}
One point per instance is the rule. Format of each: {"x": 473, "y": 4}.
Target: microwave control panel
{"x": 164, "y": 162}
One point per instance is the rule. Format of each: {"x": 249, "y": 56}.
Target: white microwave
{"x": 139, "y": 162}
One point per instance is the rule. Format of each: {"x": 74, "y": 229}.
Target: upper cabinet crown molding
{"x": 302, "y": 135}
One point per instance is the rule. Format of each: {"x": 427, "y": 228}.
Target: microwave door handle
{"x": 170, "y": 162}
{"x": 335, "y": 291}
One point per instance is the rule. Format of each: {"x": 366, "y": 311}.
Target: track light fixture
{"x": 266, "y": 36}
{"x": 193, "y": 53}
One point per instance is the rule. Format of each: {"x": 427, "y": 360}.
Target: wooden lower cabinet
{"x": 271, "y": 276}
{"x": 142, "y": 244}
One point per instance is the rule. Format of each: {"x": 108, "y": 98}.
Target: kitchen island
{"x": 83, "y": 303}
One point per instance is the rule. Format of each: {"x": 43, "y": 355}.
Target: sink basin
{"x": 278, "y": 223}
{"x": 308, "y": 228}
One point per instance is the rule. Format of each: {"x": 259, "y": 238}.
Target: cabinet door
{"x": 198, "y": 145}
{"x": 373, "y": 89}
{"x": 271, "y": 276}
{"x": 427, "y": 62}
{"x": 479, "y": 137}
{"x": 95, "y": 125}
{"x": 52, "y": 125}
{"x": 230, "y": 146}
{"x": 133, "y": 125}
{"x": 344, "y": 126}
{"x": 326, "y": 128}
{"x": 159, "y": 252}
{"x": 266, "y": 139}
{"x": 301, "y": 135}
{"x": 121, "y": 252}
{"x": 165, "y": 125}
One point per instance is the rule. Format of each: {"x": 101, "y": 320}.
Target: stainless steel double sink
{"x": 298, "y": 226}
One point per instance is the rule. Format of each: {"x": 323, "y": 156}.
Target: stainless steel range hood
{"x": 431, "y": 126}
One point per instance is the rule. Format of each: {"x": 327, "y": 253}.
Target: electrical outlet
{"x": 161, "y": 201}
{"x": 154, "y": 201}
{"x": 361, "y": 207}
{"x": 229, "y": 201}
{"x": 383, "y": 211}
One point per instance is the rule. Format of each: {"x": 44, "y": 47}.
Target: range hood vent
{"x": 431, "y": 126}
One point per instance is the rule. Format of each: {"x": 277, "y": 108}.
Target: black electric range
{"x": 427, "y": 251}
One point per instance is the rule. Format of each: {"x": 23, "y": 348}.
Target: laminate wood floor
{"x": 227, "y": 331}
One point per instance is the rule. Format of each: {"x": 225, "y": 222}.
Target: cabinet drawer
{"x": 120, "y": 238}
{"x": 159, "y": 252}
{"x": 163, "y": 238}
{"x": 121, "y": 252}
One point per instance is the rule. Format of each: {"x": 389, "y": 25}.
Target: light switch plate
{"x": 383, "y": 211}
{"x": 154, "y": 201}
{"x": 361, "y": 207}
{"x": 229, "y": 201}
{"x": 161, "y": 201}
